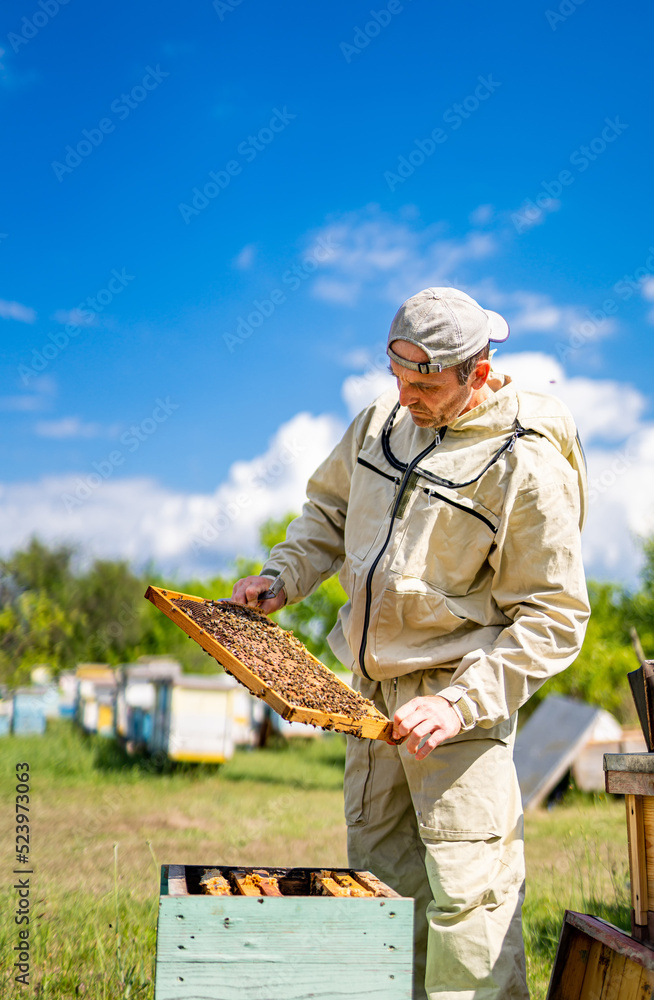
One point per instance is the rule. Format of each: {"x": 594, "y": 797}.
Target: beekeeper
{"x": 451, "y": 510}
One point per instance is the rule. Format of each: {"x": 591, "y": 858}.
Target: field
{"x": 101, "y": 826}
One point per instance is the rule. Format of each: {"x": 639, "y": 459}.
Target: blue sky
{"x": 240, "y": 195}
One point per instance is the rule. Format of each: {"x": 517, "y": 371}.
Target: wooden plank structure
{"x": 632, "y": 775}
{"x": 281, "y": 934}
{"x": 373, "y": 725}
{"x": 597, "y": 961}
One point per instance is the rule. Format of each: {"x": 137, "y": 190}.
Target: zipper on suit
{"x": 459, "y": 506}
{"x": 406, "y": 479}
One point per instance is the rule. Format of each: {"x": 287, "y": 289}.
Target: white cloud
{"x": 77, "y": 317}
{"x": 529, "y": 312}
{"x": 481, "y": 215}
{"x": 647, "y": 291}
{"x": 358, "y": 357}
{"x": 529, "y": 214}
{"x": 72, "y": 427}
{"x": 619, "y": 448}
{"x": 621, "y": 510}
{"x": 139, "y": 519}
{"x": 16, "y": 310}
{"x": 360, "y": 390}
{"x": 604, "y": 410}
{"x": 43, "y": 389}
{"x": 199, "y": 533}
{"x": 538, "y": 313}
{"x": 342, "y": 293}
{"x": 374, "y": 252}
{"x": 23, "y": 403}
{"x": 388, "y": 258}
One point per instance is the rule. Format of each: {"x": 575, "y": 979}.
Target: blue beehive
{"x": 136, "y": 696}
{"x": 29, "y": 712}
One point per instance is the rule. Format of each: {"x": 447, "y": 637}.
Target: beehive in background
{"x": 194, "y": 718}
{"x": 96, "y": 693}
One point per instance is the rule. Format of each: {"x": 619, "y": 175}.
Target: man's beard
{"x": 425, "y": 418}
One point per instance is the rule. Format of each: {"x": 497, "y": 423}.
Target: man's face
{"x": 432, "y": 400}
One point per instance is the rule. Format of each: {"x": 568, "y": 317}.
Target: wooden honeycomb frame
{"x": 374, "y": 725}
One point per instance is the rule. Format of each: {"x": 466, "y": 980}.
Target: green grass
{"x": 102, "y": 824}
{"x": 576, "y": 860}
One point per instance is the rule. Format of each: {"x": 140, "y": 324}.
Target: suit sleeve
{"x": 539, "y": 584}
{"x": 314, "y": 548}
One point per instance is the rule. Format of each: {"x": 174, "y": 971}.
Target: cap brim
{"x": 499, "y": 327}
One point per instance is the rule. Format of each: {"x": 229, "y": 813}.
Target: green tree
{"x": 54, "y": 611}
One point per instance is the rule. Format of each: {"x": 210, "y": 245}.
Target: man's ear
{"x": 480, "y": 375}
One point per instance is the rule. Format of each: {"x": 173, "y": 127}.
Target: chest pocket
{"x": 446, "y": 539}
{"x": 372, "y": 494}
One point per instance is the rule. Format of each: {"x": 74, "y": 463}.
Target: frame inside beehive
{"x": 368, "y": 721}
{"x": 227, "y": 880}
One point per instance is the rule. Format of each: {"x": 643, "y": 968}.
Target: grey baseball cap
{"x": 448, "y": 325}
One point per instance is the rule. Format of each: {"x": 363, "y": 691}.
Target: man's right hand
{"x": 247, "y": 590}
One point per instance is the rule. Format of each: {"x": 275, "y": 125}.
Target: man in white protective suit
{"x": 451, "y": 510}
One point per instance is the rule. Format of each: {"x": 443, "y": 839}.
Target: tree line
{"x": 58, "y": 611}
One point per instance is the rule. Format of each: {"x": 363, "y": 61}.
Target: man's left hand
{"x": 421, "y": 717}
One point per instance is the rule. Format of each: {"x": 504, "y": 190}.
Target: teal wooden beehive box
{"x": 287, "y": 942}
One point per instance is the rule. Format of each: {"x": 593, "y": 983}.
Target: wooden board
{"x": 289, "y": 948}
{"x": 597, "y": 961}
{"x": 629, "y": 773}
{"x": 648, "y": 829}
{"x": 633, "y": 762}
{"x": 374, "y": 725}
{"x": 637, "y": 858}
{"x": 176, "y": 880}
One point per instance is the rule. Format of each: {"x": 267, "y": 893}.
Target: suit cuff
{"x": 464, "y": 707}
